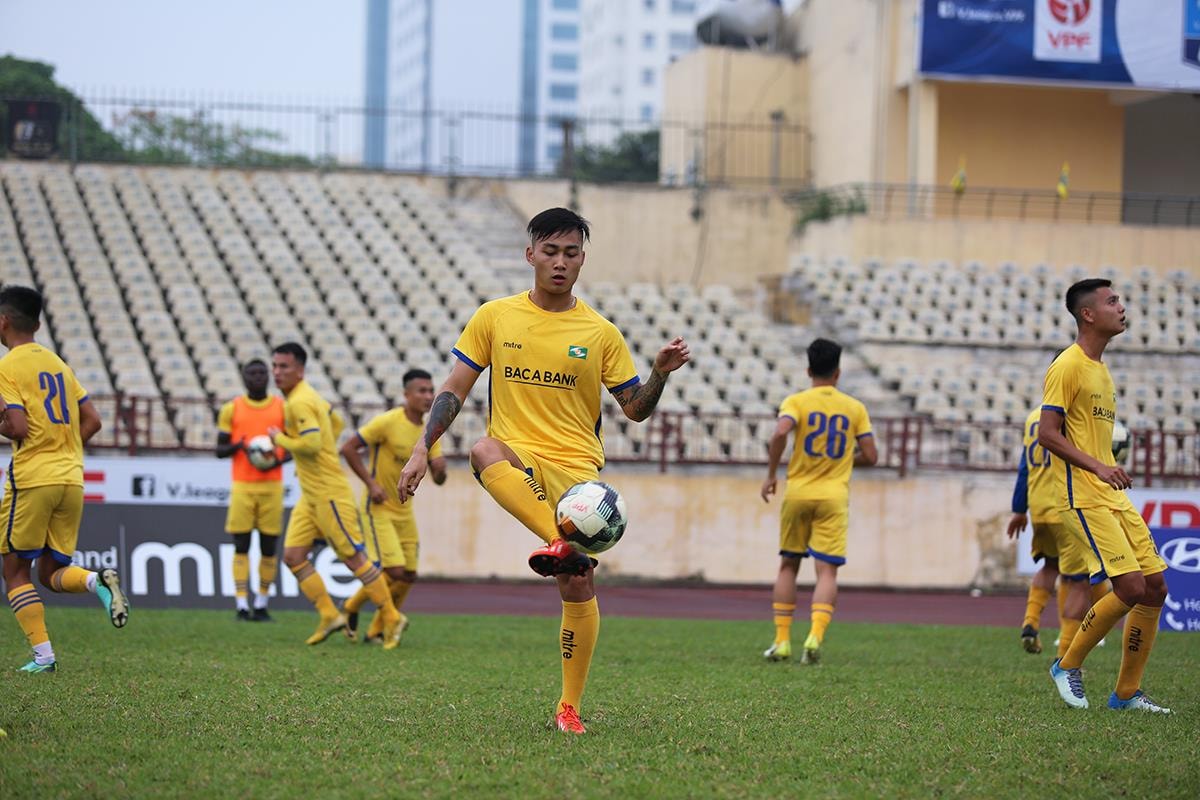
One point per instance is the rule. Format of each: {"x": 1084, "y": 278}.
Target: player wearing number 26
{"x": 833, "y": 433}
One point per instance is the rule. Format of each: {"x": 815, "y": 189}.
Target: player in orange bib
{"x": 256, "y": 496}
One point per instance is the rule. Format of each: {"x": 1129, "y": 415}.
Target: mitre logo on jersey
{"x": 577, "y": 351}
{"x": 1067, "y": 30}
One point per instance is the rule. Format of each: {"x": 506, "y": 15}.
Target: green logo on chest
{"x": 577, "y": 351}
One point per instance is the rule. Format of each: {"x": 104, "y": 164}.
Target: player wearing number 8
{"x": 48, "y": 417}
{"x": 833, "y": 434}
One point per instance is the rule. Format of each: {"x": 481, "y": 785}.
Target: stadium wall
{"x": 992, "y": 241}
{"x": 650, "y": 233}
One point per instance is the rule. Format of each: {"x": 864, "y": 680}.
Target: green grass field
{"x": 190, "y": 704}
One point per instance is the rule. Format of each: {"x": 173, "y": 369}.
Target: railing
{"x": 913, "y": 201}
{"x": 671, "y": 438}
{"x": 178, "y": 128}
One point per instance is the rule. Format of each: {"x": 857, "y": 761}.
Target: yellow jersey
{"x": 310, "y": 435}
{"x": 389, "y": 438}
{"x": 829, "y": 424}
{"x": 1082, "y": 391}
{"x": 547, "y": 372}
{"x": 40, "y": 383}
{"x": 1045, "y": 487}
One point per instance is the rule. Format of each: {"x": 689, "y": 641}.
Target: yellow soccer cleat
{"x": 326, "y": 628}
{"x": 392, "y": 634}
{"x": 812, "y": 651}
{"x": 780, "y": 651}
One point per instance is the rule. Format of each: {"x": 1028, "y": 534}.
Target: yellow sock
{"x": 1097, "y": 622}
{"x": 357, "y": 600}
{"x": 1038, "y": 598}
{"x": 822, "y": 614}
{"x": 1100, "y": 589}
{"x": 314, "y": 589}
{"x": 783, "y": 621}
{"x": 31, "y": 614}
{"x": 376, "y": 626}
{"x": 577, "y": 640}
{"x": 374, "y": 583}
{"x": 520, "y": 495}
{"x": 1066, "y": 635}
{"x": 1061, "y": 597}
{"x": 267, "y": 567}
{"x": 1141, "y": 626}
{"x": 400, "y": 590}
{"x": 241, "y": 575}
{"x": 72, "y": 579}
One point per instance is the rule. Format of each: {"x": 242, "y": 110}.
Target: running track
{"x": 705, "y": 602}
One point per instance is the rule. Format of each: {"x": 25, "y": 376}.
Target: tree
{"x": 34, "y": 80}
{"x": 166, "y": 139}
{"x": 633, "y": 157}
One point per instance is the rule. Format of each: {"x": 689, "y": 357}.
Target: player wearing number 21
{"x": 833, "y": 435}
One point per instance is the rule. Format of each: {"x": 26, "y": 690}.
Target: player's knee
{"x": 1156, "y": 590}
{"x": 294, "y": 556}
{"x": 485, "y": 452}
{"x": 396, "y": 573}
{"x": 1130, "y": 588}
{"x": 241, "y": 543}
{"x": 267, "y": 545}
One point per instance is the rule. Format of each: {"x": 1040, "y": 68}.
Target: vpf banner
{"x": 1174, "y": 519}
{"x": 1145, "y": 44}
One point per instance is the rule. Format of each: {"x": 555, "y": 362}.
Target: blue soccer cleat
{"x": 108, "y": 589}
{"x": 1069, "y": 683}
{"x": 1139, "y": 702}
{"x": 33, "y": 666}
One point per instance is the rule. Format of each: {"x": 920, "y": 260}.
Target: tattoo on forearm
{"x": 641, "y": 400}
{"x": 445, "y": 408}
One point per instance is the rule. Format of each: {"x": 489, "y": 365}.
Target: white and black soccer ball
{"x": 591, "y": 516}
{"x": 1122, "y": 440}
{"x": 261, "y": 452}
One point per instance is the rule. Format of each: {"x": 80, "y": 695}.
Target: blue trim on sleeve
{"x": 864, "y": 435}
{"x": 463, "y": 358}
{"x": 16, "y": 405}
{"x": 309, "y": 430}
{"x": 789, "y": 416}
{"x": 1020, "y": 498}
{"x": 84, "y": 399}
{"x": 362, "y": 441}
{"x": 1059, "y": 409}
{"x": 634, "y": 381}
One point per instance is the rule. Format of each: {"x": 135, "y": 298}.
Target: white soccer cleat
{"x": 1069, "y": 683}
{"x": 1139, "y": 702}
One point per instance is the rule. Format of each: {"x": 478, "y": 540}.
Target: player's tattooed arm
{"x": 638, "y": 402}
{"x": 445, "y": 408}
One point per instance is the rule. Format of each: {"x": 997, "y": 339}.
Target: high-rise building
{"x": 399, "y": 81}
{"x": 627, "y": 44}
{"x": 550, "y": 87}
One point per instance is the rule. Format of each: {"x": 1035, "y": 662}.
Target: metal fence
{"x": 186, "y": 128}
{"x": 669, "y": 439}
{"x": 913, "y": 201}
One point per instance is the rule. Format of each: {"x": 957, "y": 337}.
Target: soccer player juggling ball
{"x": 550, "y": 355}
{"x": 1079, "y": 407}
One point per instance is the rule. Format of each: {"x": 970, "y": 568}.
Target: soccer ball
{"x": 591, "y": 516}
{"x": 261, "y": 452}
{"x": 1121, "y": 441}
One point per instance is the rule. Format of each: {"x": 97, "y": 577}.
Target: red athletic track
{"x": 702, "y": 602}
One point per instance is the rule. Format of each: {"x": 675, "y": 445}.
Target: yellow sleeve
{"x": 617, "y": 371}
{"x": 307, "y": 420}
{"x": 78, "y": 392}
{"x": 375, "y": 431}
{"x": 10, "y": 389}
{"x": 790, "y": 408}
{"x": 335, "y": 419}
{"x": 474, "y": 345}
{"x": 1060, "y": 387}
{"x": 862, "y": 425}
{"x": 225, "y": 418}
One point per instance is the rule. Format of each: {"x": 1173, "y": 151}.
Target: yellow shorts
{"x": 553, "y": 477}
{"x": 42, "y": 520}
{"x": 335, "y": 520}
{"x": 391, "y": 537}
{"x": 255, "y": 507}
{"x": 812, "y": 527}
{"x": 1121, "y": 541}
{"x": 1063, "y": 539}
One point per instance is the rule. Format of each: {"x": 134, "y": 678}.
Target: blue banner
{"x": 1180, "y": 548}
{"x": 1151, "y": 44}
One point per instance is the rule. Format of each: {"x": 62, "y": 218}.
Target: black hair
{"x": 254, "y": 362}
{"x": 555, "y": 221}
{"x": 415, "y": 375}
{"x": 294, "y": 350}
{"x": 22, "y": 306}
{"x": 1079, "y": 291}
{"x": 824, "y": 356}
